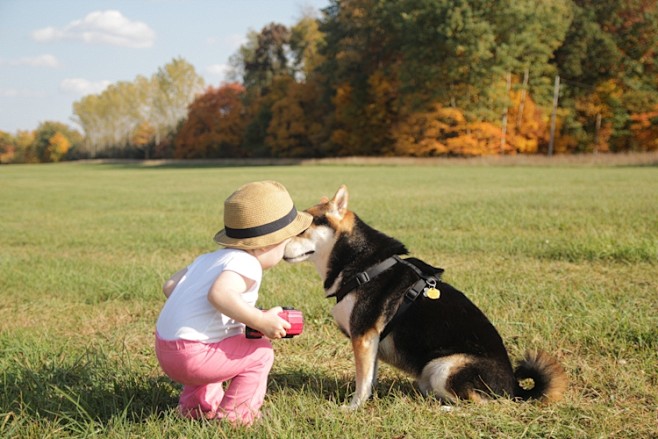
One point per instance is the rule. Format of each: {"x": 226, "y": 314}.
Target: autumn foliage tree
{"x": 407, "y": 77}
{"x": 295, "y": 123}
{"x": 446, "y": 131}
{"x": 214, "y": 126}
{"x": 53, "y": 140}
{"x": 644, "y": 130}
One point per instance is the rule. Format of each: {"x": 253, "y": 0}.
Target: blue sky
{"x": 53, "y": 52}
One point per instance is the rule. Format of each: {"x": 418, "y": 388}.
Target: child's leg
{"x": 200, "y": 401}
{"x": 244, "y": 396}
{"x": 202, "y": 368}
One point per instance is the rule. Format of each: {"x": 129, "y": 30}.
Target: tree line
{"x": 397, "y": 78}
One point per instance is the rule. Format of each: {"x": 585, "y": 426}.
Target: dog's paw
{"x": 351, "y": 407}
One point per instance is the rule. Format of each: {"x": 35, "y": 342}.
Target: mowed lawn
{"x": 562, "y": 258}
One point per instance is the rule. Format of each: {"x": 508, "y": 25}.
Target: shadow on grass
{"x": 88, "y": 391}
{"x": 80, "y": 393}
{"x": 337, "y": 388}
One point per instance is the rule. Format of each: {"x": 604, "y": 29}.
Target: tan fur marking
{"x": 477, "y": 397}
{"x": 346, "y": 225}
{"x": 318, "y": 210}
{"x": 365, "y": 356}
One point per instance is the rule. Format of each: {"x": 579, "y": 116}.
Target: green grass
{"x": 562, "y": 258}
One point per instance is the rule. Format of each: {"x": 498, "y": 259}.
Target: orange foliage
{"x": 214, "y": 125}
{"x": 424, "y": 133}
{"x": 597, "y": 104}
{"x": 479, "y": 138}
{"x": 143, "y": 134}
{"x": 363, "y": 120}
{"x": 7, "y": 148}
{"x": 443, "y": 131}
{"x": 58, "y": 146}
{"x": 525, "y": 130}
{"x": 345, "y": 115}
{"x": 644, "y": 129}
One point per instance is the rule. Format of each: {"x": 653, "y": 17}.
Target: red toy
{"x": 293, "y": 316}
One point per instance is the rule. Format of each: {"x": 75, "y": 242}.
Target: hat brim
{"x": 301, "y": 222}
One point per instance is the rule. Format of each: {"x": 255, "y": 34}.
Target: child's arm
{"x": 225, "y": 296}
{"x": 171, "y": 283}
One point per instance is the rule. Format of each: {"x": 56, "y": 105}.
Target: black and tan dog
{"x": 398, "y": 310}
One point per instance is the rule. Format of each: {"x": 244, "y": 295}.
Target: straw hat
{"x": 260, "y": 214}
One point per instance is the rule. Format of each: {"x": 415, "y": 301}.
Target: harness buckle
{"x": 362, "y": 278}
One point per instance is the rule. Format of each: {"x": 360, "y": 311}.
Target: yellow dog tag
{"x": 432, "y": 293}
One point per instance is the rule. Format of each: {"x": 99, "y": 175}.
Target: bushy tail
{"x": 540, "y": 376}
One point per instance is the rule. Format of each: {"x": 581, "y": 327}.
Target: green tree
{"x": 268, "y": 59}
{"x": 360, "y": 73}
{"x": 607, "y": 62}
{"x": 113, "y": 119}
{"x": 174, "y": 87}
{"x": 305, "y": 42}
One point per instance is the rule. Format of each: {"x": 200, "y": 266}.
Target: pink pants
{"x": 203, "y": 368}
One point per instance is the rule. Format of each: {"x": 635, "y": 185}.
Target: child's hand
{"x": 272, "y": 326}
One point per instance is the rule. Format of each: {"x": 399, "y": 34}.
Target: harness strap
{"x": 364, "y": 277}
{"x": 410, "y": 295}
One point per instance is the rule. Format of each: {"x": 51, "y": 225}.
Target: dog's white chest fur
{"x": 342, "y": 312}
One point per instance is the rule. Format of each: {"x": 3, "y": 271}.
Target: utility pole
{"x": 597, "y": 129}
{"x": 556, "y": 94}
{"x": 519, "y": 114}
{"x": 504, "y": 121}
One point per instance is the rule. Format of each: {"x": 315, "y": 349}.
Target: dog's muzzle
{"x": 297, "y": 258}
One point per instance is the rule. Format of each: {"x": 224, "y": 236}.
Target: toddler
{"x": 200, "y": 340}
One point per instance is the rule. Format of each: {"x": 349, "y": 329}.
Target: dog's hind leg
{"x": 365, "y": 357}
{"x": 463, "y": 377}
{"x": 436, "y": 376}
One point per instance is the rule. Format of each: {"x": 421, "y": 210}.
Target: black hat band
{"x": 265, "y": 229}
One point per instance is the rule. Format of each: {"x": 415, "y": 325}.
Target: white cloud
{"x": 101, "y": 27}
{"x": 82, "y": 87}
{"x": 49, "y": 61}
{"x": 218, "y": 70}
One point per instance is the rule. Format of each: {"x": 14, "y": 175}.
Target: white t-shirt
{"x": 187, "y": 313}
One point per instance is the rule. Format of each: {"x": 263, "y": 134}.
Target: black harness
{"x": 425, "y": 282}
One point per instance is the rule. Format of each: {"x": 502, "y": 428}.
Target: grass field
{"x": 562, "y": 258}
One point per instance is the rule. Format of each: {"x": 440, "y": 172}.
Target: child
{"x": 200, "y": 338}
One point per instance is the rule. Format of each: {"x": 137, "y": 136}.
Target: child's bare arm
{"x": 171, "y": 283}
{"x": 225, "y": 296}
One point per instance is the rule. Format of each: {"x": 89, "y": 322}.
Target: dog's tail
{"x": 540, "y": 376}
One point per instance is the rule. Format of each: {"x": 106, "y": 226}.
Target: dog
{"x": 399, "y": 311}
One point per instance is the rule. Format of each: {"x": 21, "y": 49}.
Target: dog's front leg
{"x": 365, "y": 356}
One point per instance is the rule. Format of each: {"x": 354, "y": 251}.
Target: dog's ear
{"x": 324, "y": 200}
{"x": 339, "y": 202}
